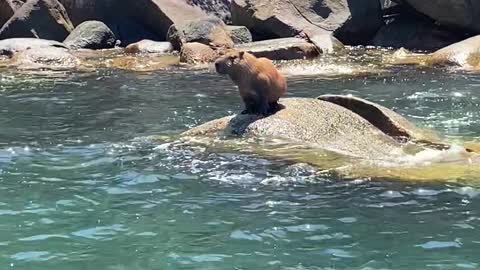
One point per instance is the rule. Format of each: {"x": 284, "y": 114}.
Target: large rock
{"x": 465, "y": 54}
{"x": 91, "y": 35}
{"x": 209, "y": 31}
{"x": 45, "y": 19}
{"x": 414, "y": 33}
{"x": 457, "y": 13}
{"x": 359, "y": 142}
{"x": 149, "y": 46}
{"x": 388, "y": 121}
{"x": 281, "y": 49}
{"x": 7, "y": 9}
{"x": 134, "y": 20}
{"x": 13, "y": 45}
{"x": 216, "y": 8}
{"x": 309, "y": 121}
{"x": 352, "y": 22}
{"x": 197, "y": 53}
{"x": 44, "y": 58}
{"x": 239, "y": 34}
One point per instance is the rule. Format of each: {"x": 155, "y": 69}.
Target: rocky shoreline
{"x": 55, "y": 33}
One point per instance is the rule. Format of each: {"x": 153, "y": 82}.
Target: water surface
{"x": 81, "y": 187}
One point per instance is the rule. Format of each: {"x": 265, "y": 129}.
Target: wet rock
{"x": 45, "y": 19}
{"x": 352, "y": 22}
{"x": 465, "y": 54}
{"x": 239, "y": 34}
{"x": 457, "y": 13}
{"x": 386, "y": 120}
{"x": 149, "y": 46}
{"x": 142, "y": 64}
{"x": 44, "y": 57}
{"x": 197, "y": 53}
{"x": 309, "y": 121}
{"x": 209, "y": 31}
{"x": 281, "y": 49}
{"x": 13, "y": 45}
{"x": 414, "y": 33}
{"x": 91, "y": 35}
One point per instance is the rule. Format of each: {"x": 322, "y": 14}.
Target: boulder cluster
{"x": 200, "y": 30}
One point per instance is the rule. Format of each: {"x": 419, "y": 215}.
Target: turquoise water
{"x": 82, "y": 187}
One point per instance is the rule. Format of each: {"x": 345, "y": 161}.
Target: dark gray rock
{"x": 45, "y": 19}
{"x": 414, "y": 33}
{"x": 239, "y": 34}
{"x": 8, "y": 8}
{"x": 13, "y": 45}
{"x": 281, "y": 49}
{"x": 91, "y": 35}
{"x": 216, "y": 8}
{"x": 209, "y": 31}
{"x": 457, "y": 13}
{"x": 352, "y": 22}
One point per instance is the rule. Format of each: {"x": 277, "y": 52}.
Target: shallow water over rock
{"x": 82, "y": 185}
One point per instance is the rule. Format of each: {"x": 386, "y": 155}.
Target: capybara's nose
{"x": 217, "y": 66}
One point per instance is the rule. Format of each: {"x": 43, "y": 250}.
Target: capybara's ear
{"x": 240, "y": 54}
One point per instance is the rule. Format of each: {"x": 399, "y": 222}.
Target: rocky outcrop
{"x": 239, "y": 34}
{"x": 91, "y": 35}
{"x": 352, "y": 22}
{"x": 45, "y": 19}
{"x": 149, "y": 46}
{"x": 281, "y": 49}
{"x": 209, "y": 31}
{"x": 464, "y": 54}
{"x": 197, "y": 53}
{"x": 386, "y": 120}
{"x": 10, "y": 46}
{"x": 311, "y": 121}
{"x": 215, "y": 8}
{"x": 412, "y": 32}
{"x": 8, "y": 8}
{"x": 458, "y": 13}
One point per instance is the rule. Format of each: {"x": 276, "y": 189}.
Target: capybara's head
{"x": 229, "y": 62}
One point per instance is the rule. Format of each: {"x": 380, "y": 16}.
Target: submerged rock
{"x": 141, "y": 64}
{"x": 281, "y": 49}
{"x": 149, "y": 46}
{"x": 91, "y": 35}
{"x": 209, "y": 31}
{"x": 352, "y": 22}
{"x": 197, "y": 53}
{"x": 45, "y": 19}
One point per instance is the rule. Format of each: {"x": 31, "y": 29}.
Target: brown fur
{"x": 259, "y": 82}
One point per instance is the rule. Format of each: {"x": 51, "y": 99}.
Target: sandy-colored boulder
{"x": 197, "y": 53}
